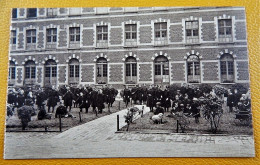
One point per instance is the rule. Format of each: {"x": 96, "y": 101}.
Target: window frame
{"x": 33, "y": 38}
{"x": 30, "y": 14}
{"x": 52, "y": 12}
{"x": 131, "y": 67}
{"x": 50, "y": 34}
{"x": 192, "y": 28}
{"x": 74, "y": 32}
{"x": 14, "y": 13}
{"x": 13, "y": 37}
{"x": 30, "y": 70}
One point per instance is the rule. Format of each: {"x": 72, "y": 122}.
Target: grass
{"x": 228, "y": 125}
{"x": 13, "y": 123}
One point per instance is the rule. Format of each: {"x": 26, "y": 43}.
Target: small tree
{"x": 212, "y": 112}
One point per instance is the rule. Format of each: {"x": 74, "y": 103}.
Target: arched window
{"x": 50, "y": 72}
{"x": 161, "y": 71}
{"x": 50, "y": 69}
{"x": 30, "y": 68}
{"x": 131, "y": 70}
{"x": 161, "y": 64}
{"x": 11, "y": 70}
{"x": 101, "y": 67}
{"x": 193, "y": 69}
{"x": 74, "y": 68}
{"x": 101, "y": 70}
{"x": 227, "y": 68}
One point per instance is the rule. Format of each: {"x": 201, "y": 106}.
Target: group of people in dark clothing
{"x": 66, "y": 97}
{"x": 184, "y": 99}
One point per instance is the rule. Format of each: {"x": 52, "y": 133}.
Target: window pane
{"x": 134, "y": 69}
{"x": 105, "y": 37}
{"x": 221, "y": 23}
{"x": 28, "y": 40}
{"x": 188, "y": 32}
{"x": 228, "y": 22}
{"x": 228, "y": 31}
{"x": 71, "y": 70}
{"x": 133, "y": 35}
{"x": 163, "y": 25}
{"x": 27, "y": 72}
{"x": 32, "y": 72}
{"x": 77, "y": 37}
{"x": 128, "y": 72}
{"x": 54, "y": 39}
{"x": 54, "y": 71}
{"x": 197, "y": 68}
{"x": 223, "y": 67}
{"x": 104, "y": 70}
{"x": 33, "y": 39}
{"x": 190, "y": 68}
{"x": 195, "y": 33}
{"x": 13, "y": 73}
{"x": 230, "y": 67}
{"x": 31, "y": 12}
{"x": 157, "y": 70}
{"x": 221, "y": 31}
{"x": 164, "y": 33}
{"x": 157, "y": 34}
{"x": 128, "y": 35}
{"x": 127, "y": 27}
{"x": 76, "y": 70}
{"x": 47, "y": 72}
{"x": 14, "y": 13}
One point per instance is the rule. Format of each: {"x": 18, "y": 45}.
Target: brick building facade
{"x": 118, "y": 46}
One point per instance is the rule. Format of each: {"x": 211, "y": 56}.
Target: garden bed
{"x": 228, "y": 125}
{"x": 13, "y": 123}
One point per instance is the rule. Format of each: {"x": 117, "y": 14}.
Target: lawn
{"x": 13, "y": 123}
{"x": 228, "y": 125}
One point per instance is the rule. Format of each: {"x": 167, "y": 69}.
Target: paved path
{"x": 97, "y": 138}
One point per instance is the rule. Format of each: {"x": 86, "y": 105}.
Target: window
{"x": 52, "y": 35}
{"x": 31, "y": 39}
{"x": 131, "y": 66}
{"x": 52, "y": 12}
{"x": 14, "y": 13}
{"x": 227, "y": 68}
{"x": 30, "y": 70}
{"x": 50, "y": 69}
{"x": 74, "y": 68}
{"x": 130, "y": 34}
{"x": 193, "y": 67}
{"x": 161, "y": 66}
{"x": 192, "y": 31}
{"x": 74, "y": 34}
{"x": 130, "y": 9}
{"x": 102, "y": 36}
{"x": 102, "y": 10}
{"x": 31, "y": 36}
{"x": 12, "y": 70}
{"x": 74, "y": 11}
{"x": 13, "y": 37}
{"x": 31, "y": 12}
{"x": 160, "y": 31}
{"x": 101, "y": 67}
{"x": 225, "y": 30}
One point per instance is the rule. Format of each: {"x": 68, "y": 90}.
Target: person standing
{"x": 230, "y": 100}
{"x": 68, "y": 98}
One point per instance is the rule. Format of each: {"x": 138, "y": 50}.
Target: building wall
{"x": 209, "y": 48}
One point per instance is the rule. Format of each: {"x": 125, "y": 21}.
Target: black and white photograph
{"x": 106, "y": 82}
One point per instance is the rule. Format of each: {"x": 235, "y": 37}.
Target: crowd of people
{"x": 186, "y": 99}
{"x": 59, "y": 101}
